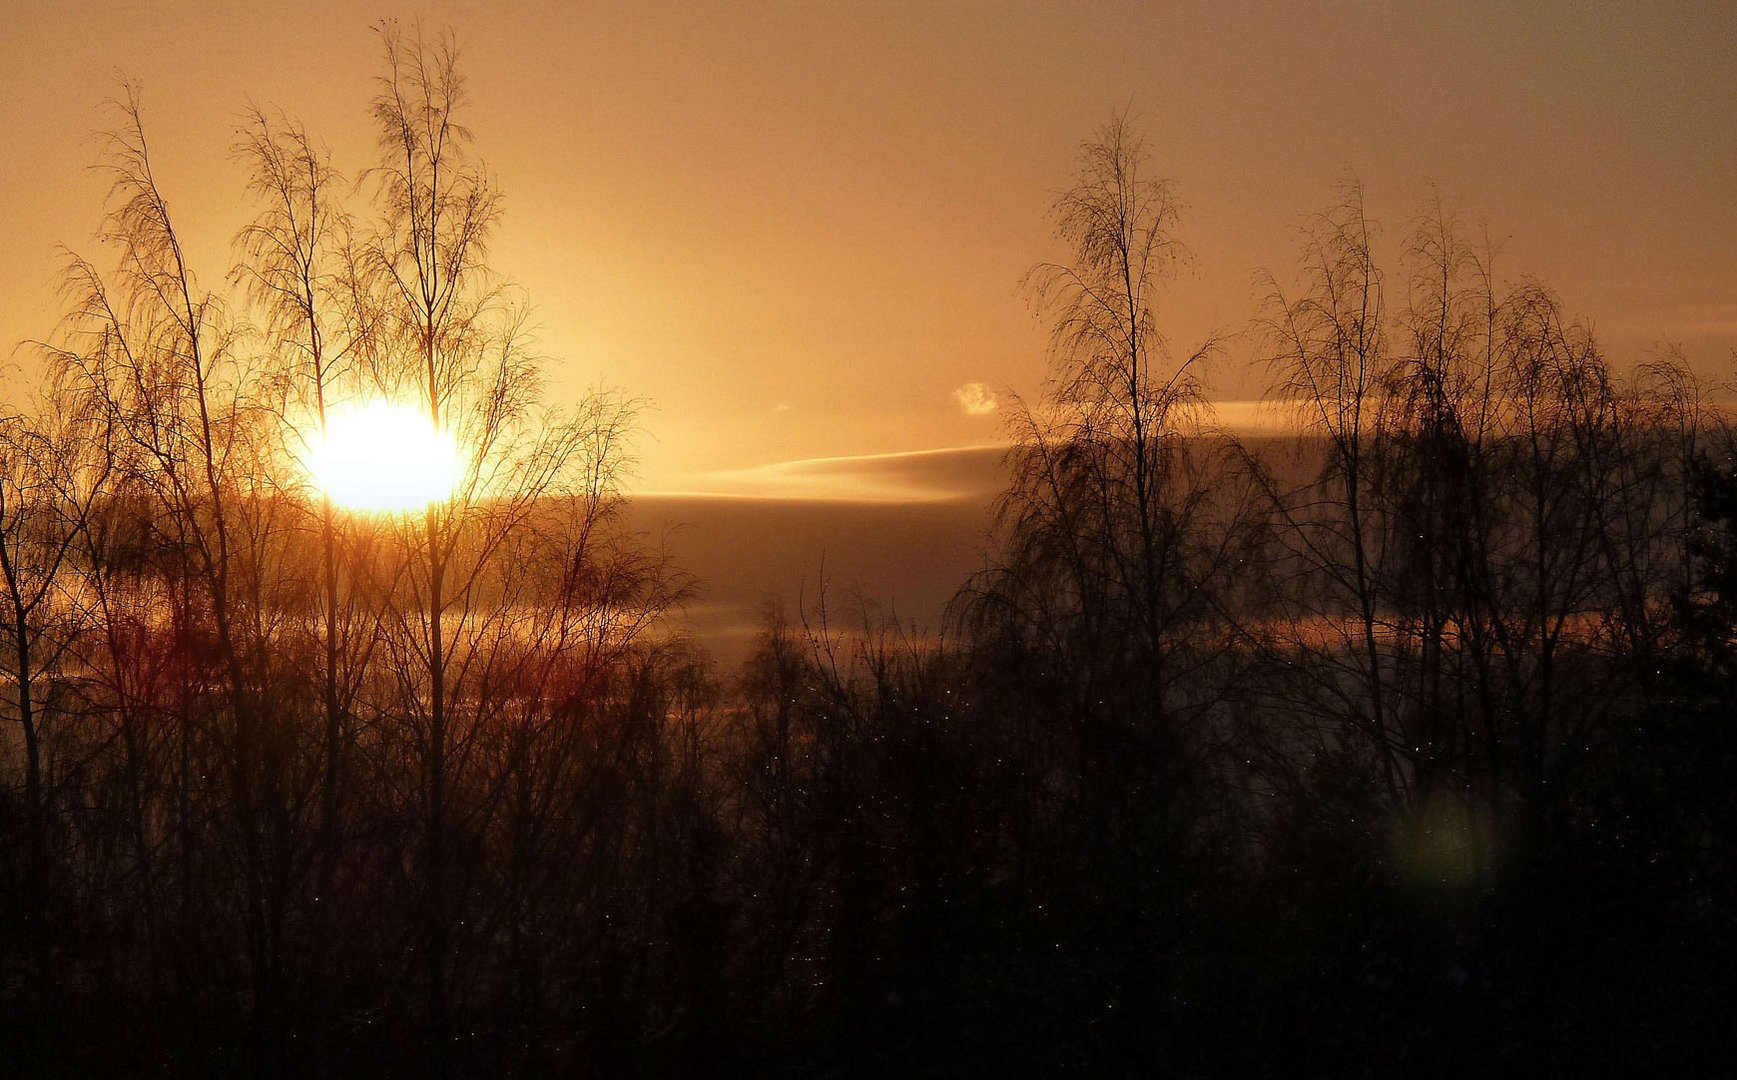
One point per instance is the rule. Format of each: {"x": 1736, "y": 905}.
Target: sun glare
{"x": 383, "y": 456}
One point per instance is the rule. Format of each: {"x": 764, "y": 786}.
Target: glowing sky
{"x": 798, "y": 229}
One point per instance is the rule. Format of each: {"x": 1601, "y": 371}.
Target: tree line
{"x": 1396, "y": 744}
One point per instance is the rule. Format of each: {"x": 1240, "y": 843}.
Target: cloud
{"x": 976, "y": 399}
{"x": 782, "y": 406}
{"x": 916, "y": 476}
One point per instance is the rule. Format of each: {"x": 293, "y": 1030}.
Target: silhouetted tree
{"x": 1119, "y": 537}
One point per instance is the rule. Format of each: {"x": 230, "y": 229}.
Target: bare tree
{"x": 1118, "y": 537}
{"x": 152, "y": 356}
{"x": 54, "y": 467}
{"x": 1484, "y": 484}
{"x": 451, "y": 338}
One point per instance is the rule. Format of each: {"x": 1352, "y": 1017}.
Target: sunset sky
{"x": 798, "y": 232}
{"x": 839, "y": 630}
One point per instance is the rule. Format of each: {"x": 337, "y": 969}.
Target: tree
{"x": 1118, "y": 536}
{"x": 449, "y": 337}
{"x": 255, "y": 722}
{"x": 53, "y": 469}
{"x": 298, "y": 267}
{"x": 156, "y": 359}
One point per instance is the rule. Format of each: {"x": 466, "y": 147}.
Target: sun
{"x": 381, "y": 455}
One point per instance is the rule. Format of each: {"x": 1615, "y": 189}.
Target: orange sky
{"x": 799, "y": 231}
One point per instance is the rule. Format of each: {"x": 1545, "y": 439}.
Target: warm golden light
{"x": 384, "y": 456}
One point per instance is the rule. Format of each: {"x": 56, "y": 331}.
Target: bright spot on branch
{"x": 976, "y": 399}
{"x": 381, "y": 455}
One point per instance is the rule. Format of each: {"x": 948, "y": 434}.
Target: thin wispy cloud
{"x": 917, "y": 476}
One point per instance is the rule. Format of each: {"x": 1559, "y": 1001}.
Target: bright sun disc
{"x": 383, "y": 456}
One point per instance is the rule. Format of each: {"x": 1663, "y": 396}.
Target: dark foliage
{"x": 1402, "y": 749}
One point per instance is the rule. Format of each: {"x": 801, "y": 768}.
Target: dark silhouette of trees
{"x": 52, "y": 470}
{"x": 286, "y": 735}
{"x": 1122, "y": 529}
{"x": 1400, "y": 741}
{"x": 1495, "y": 511}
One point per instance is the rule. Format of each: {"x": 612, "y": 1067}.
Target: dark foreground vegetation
{"x": 1404, "y": 747}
